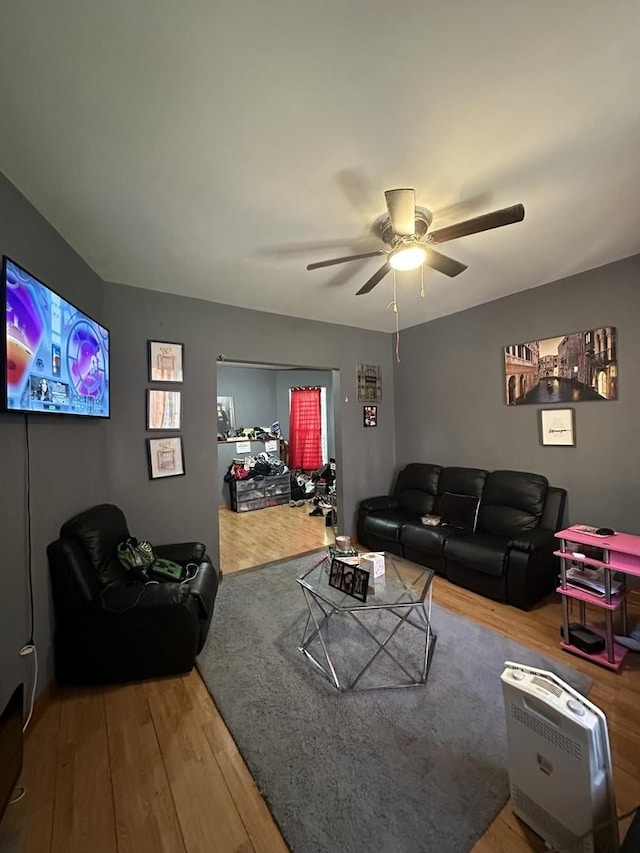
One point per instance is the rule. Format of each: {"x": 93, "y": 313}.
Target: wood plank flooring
{"x": 254, "y": 538}
{"x": 151, "y": 767}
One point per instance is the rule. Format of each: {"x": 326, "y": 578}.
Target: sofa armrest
{"x": 378, "y": 502}
{"x": 204, "y": 588}
{"x": 182, "y": 552}
{"x": 531, "y": 540}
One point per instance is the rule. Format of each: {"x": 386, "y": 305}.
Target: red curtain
{"x": 305, "y": 429}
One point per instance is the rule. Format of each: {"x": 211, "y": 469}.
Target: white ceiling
{"x": 213, "y": 149}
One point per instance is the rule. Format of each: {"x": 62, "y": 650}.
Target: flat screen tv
{"x": 10, "y": 747}
{"x": 55, "y": 358}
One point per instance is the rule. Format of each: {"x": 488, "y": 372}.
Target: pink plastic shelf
{"x": 619, "y": 653}
{"x": 582, "y": 595}
{"x": 623, "y": 548}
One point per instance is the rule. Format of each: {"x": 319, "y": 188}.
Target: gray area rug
{"x": 395, "y": 771}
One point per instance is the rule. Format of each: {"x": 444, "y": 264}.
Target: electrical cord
{"x": 192, "y": 577}
{"x": 31, "y": 649}
{"x": 606, "y": 823}
{"x": 21, "y": 792}
{"x": 126, "y": 609}
{"x": 29, "y": 556}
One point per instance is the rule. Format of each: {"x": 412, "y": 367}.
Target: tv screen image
{"x": 56, "y": 358}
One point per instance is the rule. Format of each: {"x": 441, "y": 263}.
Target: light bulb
{"x": 407, "y": 257}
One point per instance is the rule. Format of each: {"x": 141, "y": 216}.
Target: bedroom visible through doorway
{"x": 259, "y": 396}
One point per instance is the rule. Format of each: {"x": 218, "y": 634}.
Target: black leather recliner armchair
{"x": 109, "y": 629}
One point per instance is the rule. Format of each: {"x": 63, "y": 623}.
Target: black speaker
{"x": 583, "y": 638}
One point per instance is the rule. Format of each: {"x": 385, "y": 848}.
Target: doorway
{"x": 259, "y": 397}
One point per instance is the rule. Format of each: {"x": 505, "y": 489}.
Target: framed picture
{"x": 557, "y": 427}
{"x": 164, "y": 409}
{"x": 574, "y": 367}
{"x": 226, "y": 416}
{"x": 166, "y": 457}
{"x": 369, "y": 383}
{"x": 349, "y": 578}
{"x": 370, "y": 416}
{"x": 165, "y": 362}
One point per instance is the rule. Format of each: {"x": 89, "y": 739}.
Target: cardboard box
{"x": 373, "y": 563}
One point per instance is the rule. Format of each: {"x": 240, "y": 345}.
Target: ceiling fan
{"x": 405, "y": 230}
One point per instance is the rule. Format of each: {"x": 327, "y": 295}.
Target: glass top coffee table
{"x": 385, "y": 641}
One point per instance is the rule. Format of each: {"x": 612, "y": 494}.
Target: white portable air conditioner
{"x": 560, "y": 773}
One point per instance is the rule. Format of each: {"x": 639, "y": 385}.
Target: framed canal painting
{"x": 568, "y": 369}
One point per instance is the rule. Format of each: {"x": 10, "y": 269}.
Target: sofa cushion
{"x": 99, "y": 531}
{"x": 512, "y": 501}
{"x": 462, "y": 481}
{"x": 417, "y": 487}
{"x": 415, "y": 501}
{"x": 385, "y": 524}
{"x": 421, "y": 537}
{"x": 480, "y": 551}
{"x": 459, "y": 510}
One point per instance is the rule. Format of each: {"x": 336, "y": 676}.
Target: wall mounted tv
{"x": 55, "y": 358}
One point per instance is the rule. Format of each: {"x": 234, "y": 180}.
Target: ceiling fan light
{"x": 407, "y": 257}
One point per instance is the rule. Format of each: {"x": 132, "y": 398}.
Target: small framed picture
{"x": 557, "y": 427}
{"x": 166, "y": 458}
{"x": 165, "y": 362}
{"x": 335, "y": 573}
{"x": 164, "y": 409}
{"x": 370, "y": 416}
{"x": 369, "y": 383}
{"x": 349, "y": 578}
{"x": 360, "y": 583}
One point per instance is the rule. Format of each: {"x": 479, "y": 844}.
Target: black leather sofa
{"x": 496, "y": 535}
{"x": 111, "y": 629}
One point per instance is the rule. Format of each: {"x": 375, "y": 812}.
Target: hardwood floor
{"x": 254, "y": 538}
{"x": 151, "y": 767}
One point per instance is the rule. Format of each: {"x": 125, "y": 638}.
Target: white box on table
{"x": 373, "y": 562}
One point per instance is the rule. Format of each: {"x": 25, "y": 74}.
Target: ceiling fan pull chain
{"x": 394, "y": 305}
{"x": 394, "y": 302}
{"x": 422, "y": 281}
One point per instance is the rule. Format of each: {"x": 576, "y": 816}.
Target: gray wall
{"x": 186, "y": 507}
{"x": 68, "y": 461}
{"x": 452, "y": 410}
{"x": 254, "y": 394}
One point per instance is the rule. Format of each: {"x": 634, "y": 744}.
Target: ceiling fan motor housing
{"x": 383, "y": 229}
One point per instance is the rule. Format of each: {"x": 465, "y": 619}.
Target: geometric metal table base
{"x": 410, "y": 615}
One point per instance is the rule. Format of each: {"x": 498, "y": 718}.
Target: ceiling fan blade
{"x": 319, "y": 264}
{"x": 401, "y": 205}
{"x": 506, "y": 216}
{"x": 375, "y": 279}
{"x": 443, "y": 264}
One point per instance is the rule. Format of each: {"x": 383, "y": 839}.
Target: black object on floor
{"x": 584, "y": 638}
